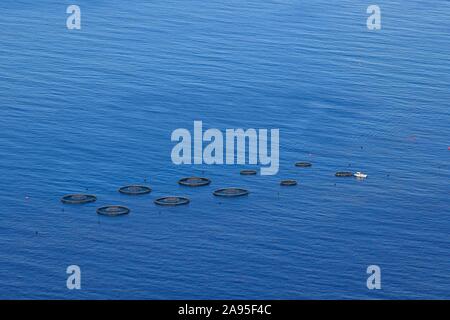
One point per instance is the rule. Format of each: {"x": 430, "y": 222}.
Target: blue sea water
{"x": 91, "y": 110}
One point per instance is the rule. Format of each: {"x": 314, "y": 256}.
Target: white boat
{"x": 360, "y": 175}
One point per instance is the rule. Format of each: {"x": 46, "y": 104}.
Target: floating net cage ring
{"x": 248, "y": 172}
{"x": 172, "y": 201}
{"x": 303, "y": 164}
{"x": 135, "y": 190}
{"x": 113, "y": 211}
{"x": 194, "y": 181}
{"x": 78, "y": 198}
{"x": 288, "y": 182}
{"x": 231, "y": 192}
{"x": 344, "y": 174}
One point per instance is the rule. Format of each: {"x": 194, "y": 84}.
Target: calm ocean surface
{"x": 93, "y": 110}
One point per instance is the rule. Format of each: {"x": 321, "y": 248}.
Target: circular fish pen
{"x": 78, "y": 198}
{"x": 288, "y": 183}
{"x": 344, "y": 174}
{"x": 231, "y": 192}
{"x": 172, "y": 201}
{"x": 303, "y": 164}
{"x": 113, "y": 211}
{"x": 248, "y": 172}
{"x": 135, "y": 190}
{"x": 194, "y": 182}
